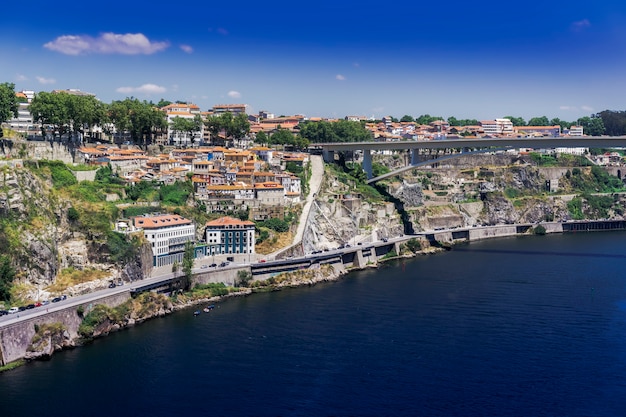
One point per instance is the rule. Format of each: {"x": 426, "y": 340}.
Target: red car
{"x": 37, "y": 304}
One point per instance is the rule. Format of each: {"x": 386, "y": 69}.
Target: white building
{"x": 184, "y": 111}
{"x": 576, "y": 131}
{"x": 497, "y": 127}
{"x": 167, "y": 234}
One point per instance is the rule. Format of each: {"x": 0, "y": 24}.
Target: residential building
{"x": 228, "y": 235}
{"x": 185, "y": 111}
{"x": 576, "y": 131}
{"x": 538, "y": 131}
{"x": 167, "y": 234}
{"x": 230, "y": 108}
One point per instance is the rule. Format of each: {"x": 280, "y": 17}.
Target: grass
{"x": 69, "y": 277}
{"x": 12, "y": 365}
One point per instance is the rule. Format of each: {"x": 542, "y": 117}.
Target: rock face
{"x": 48, "y": 339}
{"x": 41, "y": 241}
{"x": 340, "y": 216}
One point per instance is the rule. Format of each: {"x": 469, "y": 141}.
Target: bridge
{"x": 484, "y": 144}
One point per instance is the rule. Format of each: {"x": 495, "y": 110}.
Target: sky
{"x": 471, "y": 60}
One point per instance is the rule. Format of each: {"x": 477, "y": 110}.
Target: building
{"x": 24, "y": 123}
{"x": 576, "y": 131}
{"x": 228, "y": 235}
{"x": 167, "y": 234}
{"x": 235, "y": 109}
{"x": 497, "y": 127}
{"x": 184, "y": 111}
{"x": 538, "y": 131}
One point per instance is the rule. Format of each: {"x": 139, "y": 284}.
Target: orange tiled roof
{"x": 164, "y": 220}
{"x": 229, "y": 221}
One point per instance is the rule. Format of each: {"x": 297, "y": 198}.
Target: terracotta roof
{"x": 164, "y": 220}
{"x": 229, "y": 221}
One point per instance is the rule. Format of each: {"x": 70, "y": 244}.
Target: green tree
{"x": 51, "y": 109}
{"x": 426, "y": 119}
{"x": 613, "y": 121}
{"x": 7, "y": 274}
{"x": 262, "y": 138}
{"x": 8, "y": 103}
{"x": 517, "y": 121}
{"x": 592, "y": 126}
{"x": 140, "y": 118}
{"x": 539, "y": 121}
{"x": 188, "y": 259}
{"x": 162, "y": 103}
{"x": 407, "y": 118}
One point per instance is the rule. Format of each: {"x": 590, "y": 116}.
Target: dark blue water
{"x": 512, "y": 327}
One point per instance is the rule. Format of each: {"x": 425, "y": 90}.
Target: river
{"x": 523, "y": 326}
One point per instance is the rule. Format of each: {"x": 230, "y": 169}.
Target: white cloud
{"x": 340, "y": 77}
{"x": 580, "y": 25}
{"x": 186, "y": 48}
{"x": 43, "y": 80}
{"x": 21, "y": 77}
{"x": 144, "y": 89}
{"x": 587, "y": 108}
{"x": 234, "y": 94}
{"x": 106, "y": 43}
{"x": 567, "y": 108}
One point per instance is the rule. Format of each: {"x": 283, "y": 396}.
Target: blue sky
{"x": 482, "y": 59}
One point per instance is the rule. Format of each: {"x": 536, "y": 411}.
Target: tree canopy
{"x": 340, "y": 131}
{"x": 8, "y": 103}
{"x": 233, "y": 127}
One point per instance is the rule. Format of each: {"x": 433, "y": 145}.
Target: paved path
{"x": 315, "y": 182}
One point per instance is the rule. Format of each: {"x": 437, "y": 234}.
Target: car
{"x": 3, "y": 312}
{"x": 111, "y": 285}
{"x": 38, "y": 304}
{"x": 63, "y": 297}
{"x": 385, "y": 240}
{"x": 223, "y": 264}
{"x": 120, "y": 282}
{"x": 56, "y": 299}
{"x": 213, "y": 265}
{"x": 45, "y": 302}
{"x": 21, "y": 308}
{"x": 262, "y": 260}
{"x": 30, "y": 306}
{"x": 204, "y": 267}
{"x": 13, "y": 310}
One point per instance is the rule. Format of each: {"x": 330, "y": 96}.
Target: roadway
{"x": 535, "y": 143}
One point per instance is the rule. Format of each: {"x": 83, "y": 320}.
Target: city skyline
{"x": 471, "y": 61}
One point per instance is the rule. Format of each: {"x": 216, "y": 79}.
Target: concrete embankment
{"x": 16, "y": 337}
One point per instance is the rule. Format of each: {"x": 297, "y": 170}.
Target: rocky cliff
{"x": 42, "y": 240}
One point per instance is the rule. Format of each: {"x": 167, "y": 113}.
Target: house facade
{"x": 228, "y": 235}
{"x": 167, "y": 234}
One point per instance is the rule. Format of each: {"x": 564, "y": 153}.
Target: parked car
{"x": 111, "y": 285}
{"x": 45, "y": 302}
{"x": 213, "y": 265}
{"x": 3, "y": 312}
{"x": 13, "y": 310}
{"x": 64, "y": 297}
{"x": 30, "y": 306}
{"x": 204, "y": 267}
{"x": 56, "y": 299}
{"x": 385, "y": 240}
{"x": 38, "y": 304}
{"x": 21, "y": 308}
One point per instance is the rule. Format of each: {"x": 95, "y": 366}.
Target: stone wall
{"x": 16, "y": 337}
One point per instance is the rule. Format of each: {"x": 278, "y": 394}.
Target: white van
{"x": 13, "y": 310}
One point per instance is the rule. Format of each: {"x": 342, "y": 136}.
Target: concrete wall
{"x": 15, "y": 338}
{"x": 85, "y": 175}
{"x": 227, "y": 276}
